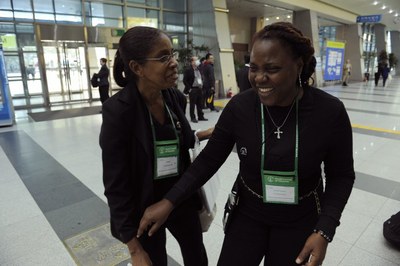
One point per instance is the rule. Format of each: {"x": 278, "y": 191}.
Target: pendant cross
{"x": 278, "y": 133}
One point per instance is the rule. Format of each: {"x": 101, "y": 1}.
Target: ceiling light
{"x": 397, "y": 14}
{"x": 383, "y": 7}
{"x": 288, "y": 16}
{"x": 267, "y": 19}
{"x": 277, "y": 17}
{"x": 277, "y": 7}
{"x": 390, "y": 11}
{"x": 375, "y": 3}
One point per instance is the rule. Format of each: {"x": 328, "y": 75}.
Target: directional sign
{"x": 369, "y": 19}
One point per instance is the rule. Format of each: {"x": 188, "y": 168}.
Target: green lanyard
{"x": 280, "y": 186}
{"x": 166, "y": 152}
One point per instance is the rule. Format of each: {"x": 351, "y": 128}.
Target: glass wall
{"x": 369, "y": 47}
{"x": 104, "y": 15}
{"x": 23, "y": 62}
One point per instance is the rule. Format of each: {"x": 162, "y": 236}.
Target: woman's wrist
{"x": 322, "y": 233}
{"x": 134, "y": 246}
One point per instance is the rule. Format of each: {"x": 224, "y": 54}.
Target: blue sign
{"x": 369, "y": 19}
{"x": 334, "y": 60}
{"x": 6, "y": 113}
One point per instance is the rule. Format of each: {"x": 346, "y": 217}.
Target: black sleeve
{"x": 339, "y": 173}
{"x": 117, "y": 176}
{"x": 181, "y": 98}
{"x": 186, "y": 81}
{"x": 209, "y": 160}
{"x": 212, "y": 77}
{"x": 103, "y": 73}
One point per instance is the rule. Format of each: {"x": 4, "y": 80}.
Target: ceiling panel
{"x": 257, "y": 8}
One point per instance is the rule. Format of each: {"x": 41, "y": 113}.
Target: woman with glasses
{"x": 145, "y": 140}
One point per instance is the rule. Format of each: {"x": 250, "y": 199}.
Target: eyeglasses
{"x": 163, "y": 59}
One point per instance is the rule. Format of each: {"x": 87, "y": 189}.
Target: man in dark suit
{"x": 104, "y": 85}
{"x": 242, "y": 75}
{"x": 209, "y": 81}
{"x": 193, "y": 86}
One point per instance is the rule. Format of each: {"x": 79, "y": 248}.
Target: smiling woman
{"x": 145, "y": 138}
{"x": 285, "y": 213}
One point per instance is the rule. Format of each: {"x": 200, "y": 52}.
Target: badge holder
{"x": 280, "y": 187}
{"x": 166, "y": 153}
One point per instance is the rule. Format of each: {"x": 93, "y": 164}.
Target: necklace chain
{"x": 278, "y": 132}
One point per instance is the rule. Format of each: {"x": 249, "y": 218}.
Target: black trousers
{"x": 196, "y": 99}
{"x": 184, "y": 225}
{"x": 377, "y": 76}
{"x": 248, "y": 241}
{"x": 104, "y": 93}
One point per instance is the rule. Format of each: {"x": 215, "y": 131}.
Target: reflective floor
{"x": 51, "y": 187}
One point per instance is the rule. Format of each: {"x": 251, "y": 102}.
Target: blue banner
{"x": 6, "y": 114}
{"x": 334, "y": 60}
{"x": 369, "y": 19}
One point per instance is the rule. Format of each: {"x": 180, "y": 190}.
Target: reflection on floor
{"x": 51, "y": 187}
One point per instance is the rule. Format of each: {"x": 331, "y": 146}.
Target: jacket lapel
{"x": 136, "y": 117}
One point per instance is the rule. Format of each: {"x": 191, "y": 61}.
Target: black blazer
{"x": 103, "y": 76}
{"x": 242, "y": 78}
{"x": 188, "y": 79}
{"x": 128, "y": 155}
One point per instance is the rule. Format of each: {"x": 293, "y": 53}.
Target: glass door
{"x": 95, "y": 53}
{"x": 66, "y": 71}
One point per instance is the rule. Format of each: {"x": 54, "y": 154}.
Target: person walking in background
{"x": 145, "y": 140}
{"x": 193, "y": 86}
{"x": 284, "y": 130}
{"x": 104, "y": 85}
{"x": 209, "y": 81}
{"x": 378, "y": 74}
{"x": 385, "y": 70}
{"x": 242, "y": 75}
{"x": 346, "y": 72}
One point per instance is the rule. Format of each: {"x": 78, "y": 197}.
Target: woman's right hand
{"x": 141, "y": 258}
{"x": 154, "y": 216}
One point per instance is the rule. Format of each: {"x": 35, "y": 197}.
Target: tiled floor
{"x": 51, "y": 187}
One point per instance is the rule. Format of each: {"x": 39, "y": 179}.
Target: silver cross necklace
{"x": 278, "y": 131}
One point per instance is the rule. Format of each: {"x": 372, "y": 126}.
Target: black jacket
{"x": 188, "y": 79}
{"x": 325, "y": 136}
{"x": 103, "y": 76}
{"x": 208, "y": 75}
{"x": 128, "y": 154}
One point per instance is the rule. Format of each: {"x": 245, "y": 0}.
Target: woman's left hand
{"x": 313, "y": 252}
{"x": 205, "y": 134}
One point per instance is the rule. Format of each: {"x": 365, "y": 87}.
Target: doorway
{"x": 65, "y": 66}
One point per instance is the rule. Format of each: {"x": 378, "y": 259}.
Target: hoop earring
{"x": 301, "y": 84}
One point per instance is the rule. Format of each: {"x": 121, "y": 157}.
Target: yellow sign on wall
{"x": 333, "y": 44}
{"x": 9, "y": 41}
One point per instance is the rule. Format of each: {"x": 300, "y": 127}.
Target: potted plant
{"x": 184, "y": 54}
{"x": 392, "y": 60}
{"x": 383, "y": 57}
